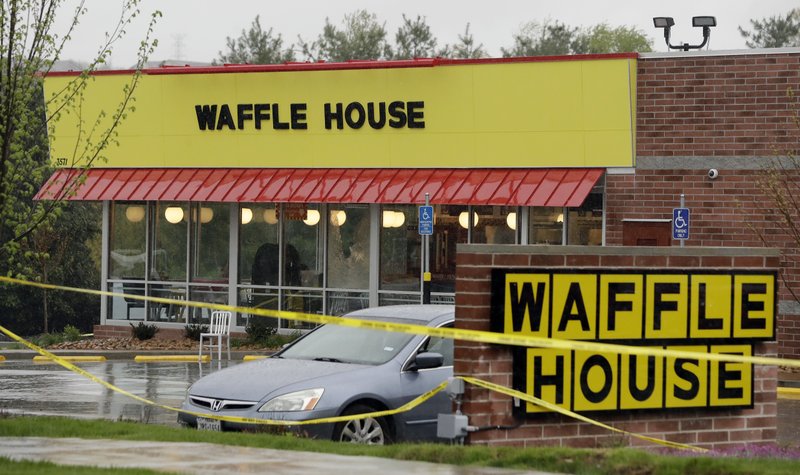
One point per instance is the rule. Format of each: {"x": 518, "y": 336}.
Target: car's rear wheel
{"x": 372, "y": 430}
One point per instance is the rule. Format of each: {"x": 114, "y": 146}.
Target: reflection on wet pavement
{"x": 49, "y": 389}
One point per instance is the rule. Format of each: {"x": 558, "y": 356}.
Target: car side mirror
{"x": 426, "y": 360}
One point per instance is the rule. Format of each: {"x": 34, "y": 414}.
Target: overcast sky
{"x": 195, "y": 30}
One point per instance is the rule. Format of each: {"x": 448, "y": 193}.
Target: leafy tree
{"x": 66, "y": 260}
{"x": 465, "y": 48}
{"x": 29, "y": 47}
{"x": 542, "y": 39}
{"x": 774, "y": 32}
{"x": 361, "y": 37}
{"x": 556, "y": 38}
{"x": 414, "y": 39}
{"x": 256, "y": 46}
{"x": 602, "y": 38}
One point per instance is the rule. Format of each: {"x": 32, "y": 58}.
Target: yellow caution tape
{"x": 76, "y": 359}
{"x": 574, "y": 415}
{"x": 157, "y": 358}
{"x": 453, "y": 333}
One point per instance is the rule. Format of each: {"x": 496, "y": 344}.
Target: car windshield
{"x": 341, "y": 344}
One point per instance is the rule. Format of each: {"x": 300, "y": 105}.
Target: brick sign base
{"x": 503, "y": 424}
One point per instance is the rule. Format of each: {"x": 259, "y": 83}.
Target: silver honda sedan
{"x": 337, "y": 370}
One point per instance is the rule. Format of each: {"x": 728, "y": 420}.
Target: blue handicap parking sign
{"x": 680, "y": 223}
{"x": 426, "y": 220}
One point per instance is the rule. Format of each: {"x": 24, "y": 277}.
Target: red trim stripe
{"x": 347, "y": 65}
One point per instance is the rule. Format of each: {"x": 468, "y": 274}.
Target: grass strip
{"x": 25, "y": 467}
{"x": 562, "y": 460}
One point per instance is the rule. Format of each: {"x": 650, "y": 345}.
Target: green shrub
{"x": 72, "y": 333}
{"x": 192, "y": 331}
{"x": 143, "y": 331}
{"x": 46, "y": 339}
{"x": 258, "y": 329}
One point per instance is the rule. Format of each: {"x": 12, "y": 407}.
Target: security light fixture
{"x": 663, "y": 22}
{"x": 706, "y": 22}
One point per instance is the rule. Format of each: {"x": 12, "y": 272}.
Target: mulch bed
{"x": 104, "y": 344}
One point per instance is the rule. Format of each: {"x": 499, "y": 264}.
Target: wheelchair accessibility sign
{"x": 426, "y": 220}
{"x": 680, "y": 223}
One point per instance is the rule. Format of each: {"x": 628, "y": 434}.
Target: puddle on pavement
{"x": 49, "y": 389}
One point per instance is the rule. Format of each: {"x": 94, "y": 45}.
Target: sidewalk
{"x": 202, "y": 459}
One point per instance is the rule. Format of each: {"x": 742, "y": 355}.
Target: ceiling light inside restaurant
{"x": 511, "y": 220}
{"x": 338, "y": 217}
{"x": 173, "y": 214}
{"x": 134, "y": 213}
{"x": 247, "y": 215}
{"x": 270, "y": 216}
{"x": 393, "y": 219}
{"x": 463, "y": 219}
{"x": 312, "y": 217}
{"x": 206, "y": 215}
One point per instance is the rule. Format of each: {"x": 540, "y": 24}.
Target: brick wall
{"x": 705, "y": 105}
{"x": 712, "y": 428}
{"x": 730, "y": 112}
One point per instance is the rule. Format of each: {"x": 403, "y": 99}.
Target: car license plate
{"x": 209, "y": 424}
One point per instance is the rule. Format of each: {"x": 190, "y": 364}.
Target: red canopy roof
{"x": 496, "y": 186}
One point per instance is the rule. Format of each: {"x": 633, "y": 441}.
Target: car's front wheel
{"x": 373, "y": 431}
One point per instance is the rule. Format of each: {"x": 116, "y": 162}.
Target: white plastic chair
{"x": 219, "y": 328}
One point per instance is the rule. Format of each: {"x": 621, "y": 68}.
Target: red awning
{"x": 496, "y": 186}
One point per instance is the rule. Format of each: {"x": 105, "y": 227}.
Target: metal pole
{"x": 426, "y": 269}
{"x": 683, "y": 202}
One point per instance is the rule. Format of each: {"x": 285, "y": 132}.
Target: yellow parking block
{"x": 71, "y": 359}
{"x": 788, "y": 393}
{"x": 156, "y": 358}
{"x": 254, "y": 357}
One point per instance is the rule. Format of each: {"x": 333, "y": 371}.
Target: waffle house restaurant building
{"x": 297, "y": 186}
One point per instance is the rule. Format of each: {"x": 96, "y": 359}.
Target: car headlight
{"x": 304, "y": 400}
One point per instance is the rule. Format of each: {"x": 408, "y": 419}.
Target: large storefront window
{"x": 348, "y": 258}
{"x": 259, "y": 260}
{"x": 127, "y": 241}
{"x": 170, "y": 225}
{"x": 399, "y": 255}
{"x": 309, "y": 258}
{"x": 168, "y": 260}
{"x": 449, "y": 228}
{"x": 494, "y": 225}
{"x": 210, "y": 251}
{"x": 127, "y": 262}
{"x": 303, "y": 263}
{"x": 546, "y": 225}
{"x": 258, "y": 245}
{"x": 585, "y": 224}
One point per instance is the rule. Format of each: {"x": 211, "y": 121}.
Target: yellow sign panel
{"x": 693, "y": 310}
{"x": 569, "y": 113}
{"x": 583, "y": 381}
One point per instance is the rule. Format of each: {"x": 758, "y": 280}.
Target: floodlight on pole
{"x": 706, "y": 22}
